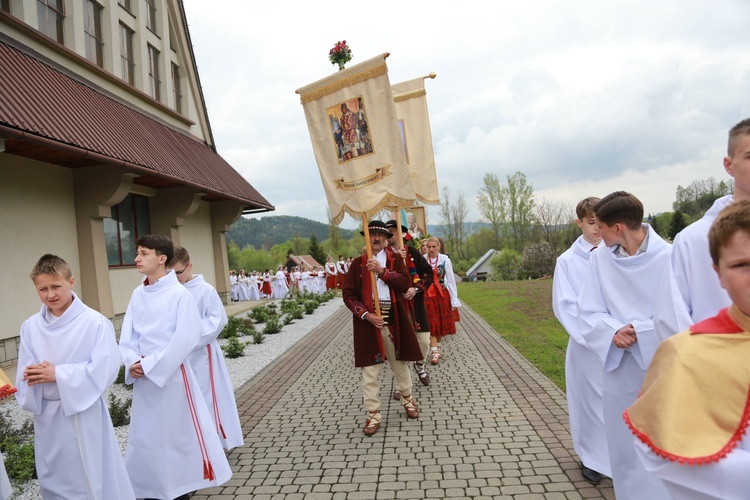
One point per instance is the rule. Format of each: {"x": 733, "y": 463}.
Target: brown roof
{"x": 49, "y": 116}
{"x": 307, "y": 260}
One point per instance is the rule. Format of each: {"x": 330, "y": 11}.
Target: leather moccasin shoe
{"x": 411, "y": 408}
{"x": 590, "y": 475}
{"x": 373, "y": 423}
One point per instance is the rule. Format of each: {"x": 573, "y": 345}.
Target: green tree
{"x": 316, "y": 251}
{"x": 491, "y": 204}
{"x": 539, "y": 259}
{"x": 699, "y": 195}
{"x": 654, "y": 223}
{"x": 677, "y": 224}
{"x": 453, "y": 218}
{"x": 552, "y": 222}
{"x": 334, "y": 235}
{"x": 520, "y": 210}
{"x": 506, "y": 265}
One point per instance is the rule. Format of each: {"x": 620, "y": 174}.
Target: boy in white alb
{"x": 173, "y": 448}
{"x": 691, "y": 424}
{"x": 583, "y": 370}
{"x": 616, "y": 307}
{"x": 207, "y": 361}
{"x": 67, "y": 360}
{"x": 690, "y": 290}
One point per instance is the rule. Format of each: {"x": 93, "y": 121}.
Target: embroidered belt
{"x": 385, "y": 310}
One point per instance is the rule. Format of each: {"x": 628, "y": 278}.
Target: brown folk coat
{"x": 358, "y": 295}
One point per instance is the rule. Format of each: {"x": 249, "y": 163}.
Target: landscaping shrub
{"x": 119, "y": 411}
{"x": 272, "y": 326}
{"x": 234, "y": 348}
{"x": 258, "y": 337}
{"x": 310, "y": 306}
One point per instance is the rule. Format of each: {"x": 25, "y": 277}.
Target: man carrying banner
{"x": 393, "y": 325}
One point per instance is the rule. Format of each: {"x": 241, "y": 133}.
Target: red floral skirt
{"x": 330, "y": 282}
{"x": 440, "y": 314}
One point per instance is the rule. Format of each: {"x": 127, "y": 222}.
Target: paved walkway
{"x": 490, "y": 426}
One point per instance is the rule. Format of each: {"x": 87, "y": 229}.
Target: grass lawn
{"x": 521, "y": 311}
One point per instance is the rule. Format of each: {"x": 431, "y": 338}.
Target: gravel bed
{"x": 242, "y": 369}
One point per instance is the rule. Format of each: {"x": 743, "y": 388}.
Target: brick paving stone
{"x": 491, "y": 426}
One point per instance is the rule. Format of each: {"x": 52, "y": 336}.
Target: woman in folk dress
{"x": 441, "y": 298}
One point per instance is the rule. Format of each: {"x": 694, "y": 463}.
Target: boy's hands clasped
{"x": 39, "y": 373}
{"x": 625, "y": 337}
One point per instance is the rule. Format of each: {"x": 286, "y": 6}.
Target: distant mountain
{"x": 268, "y": 231}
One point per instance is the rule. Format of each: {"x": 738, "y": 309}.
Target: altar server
{"x": 616, "y": 307}
{"x": 691, "y": 292}
{"x": 583, "y": 371}
{"x": 691, "y": 424}
{"x": 67, "y": 360}
{"x": 207, "y": 361}
{"x": 173, "y": 448}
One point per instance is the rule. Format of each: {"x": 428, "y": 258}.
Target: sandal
{"x": 373, "y": 423}
{"x": 411, "y": 407}
{"x": 435, "y": 359}
{"x": 424, "y": 377}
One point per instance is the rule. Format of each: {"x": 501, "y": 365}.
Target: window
{"x": 128, "y": 223}
{"x": 125, "y": 4}
{"x": 153, "y": 72}
{"x": 5, "y": 5}
{"x": 176, "y": 88}
{"x": 92, "y": 29}
{"x": 151, "y": 15}
{"x": 127, "y": 66}
{"x": 51, "y": 14}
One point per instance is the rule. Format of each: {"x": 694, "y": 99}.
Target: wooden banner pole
{"x": 374, "y": 281}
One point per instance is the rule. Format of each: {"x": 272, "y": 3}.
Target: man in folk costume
{"x": 616, "y": 307}
{"x": 173, "y": 448}
{"x": 421, "y": 276}
{"x": 583, "y": 371}
{"x": 394, "y": 325}
{"x": 691, "y": 418}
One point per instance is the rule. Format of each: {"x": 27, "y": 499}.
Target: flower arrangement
{"x": 340, "y": 54}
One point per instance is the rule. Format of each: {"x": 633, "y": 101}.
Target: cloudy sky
{"x": 585, "y": 97}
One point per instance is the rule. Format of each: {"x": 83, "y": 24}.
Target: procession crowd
{"x": 656, "y": 368}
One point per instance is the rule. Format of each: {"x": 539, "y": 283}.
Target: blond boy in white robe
{"x": 67, "y": 360}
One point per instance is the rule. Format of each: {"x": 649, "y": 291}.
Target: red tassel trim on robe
{"x": 208, "y": 470}
{"x": 217, "y": 416}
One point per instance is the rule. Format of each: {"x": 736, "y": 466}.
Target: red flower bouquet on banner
{"x": 340, "y": 54}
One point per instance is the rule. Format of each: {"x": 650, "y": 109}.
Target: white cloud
{"x": 584, "y": 97}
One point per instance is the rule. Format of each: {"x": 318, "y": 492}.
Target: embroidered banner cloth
{"x": 351, "y": 117}
{"x": 414, "y": 125}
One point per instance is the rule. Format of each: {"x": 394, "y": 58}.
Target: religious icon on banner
{"x": 402, "y": 129}
{"x": 415, "y": 221}
{"x": 351, "y": 137}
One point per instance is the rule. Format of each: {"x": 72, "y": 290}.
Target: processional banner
{"x": 351, "y": 116}
{"x": 414, "y": 125}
